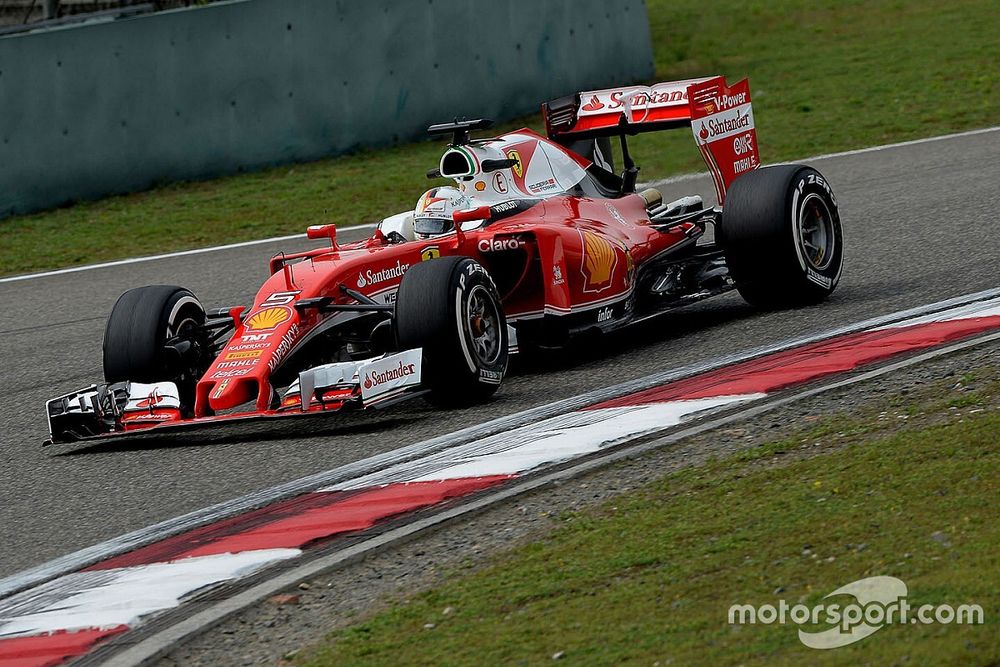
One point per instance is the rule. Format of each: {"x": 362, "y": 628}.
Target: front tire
{"x": 450, "y": 308}
{"x": 141, "y": 324}
{"x": 782, "y": 236}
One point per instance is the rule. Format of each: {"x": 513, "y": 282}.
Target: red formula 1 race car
{"x": 539, "y": 240}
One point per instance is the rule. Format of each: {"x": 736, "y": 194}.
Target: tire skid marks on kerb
{"x": 550, "y": 441}
{"x": 106, "y": 598}
{"x": 45, "y": 597}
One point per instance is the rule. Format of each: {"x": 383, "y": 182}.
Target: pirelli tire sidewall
{"x": 433, "y": 312}
{"x": 761, "y": 234}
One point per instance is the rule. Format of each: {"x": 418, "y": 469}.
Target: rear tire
{"x": 141, "y": 322}
{"x": 782, "y": 236}
{"x": 450, "y": 308}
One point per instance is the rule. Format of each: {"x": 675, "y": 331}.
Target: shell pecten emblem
{"x": 267, "y": 319}
{"x": 599, "y": 260}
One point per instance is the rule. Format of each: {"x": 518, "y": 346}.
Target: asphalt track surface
{"x": 920, "y": 226}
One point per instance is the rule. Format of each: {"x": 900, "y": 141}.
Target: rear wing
{"x": 606, "y": 113}
{"x": 719, "y": 115}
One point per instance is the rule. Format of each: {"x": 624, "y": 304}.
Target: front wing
{"x": 124, "y": 408}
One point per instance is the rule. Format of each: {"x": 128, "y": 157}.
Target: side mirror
{"x": 468, "y": 215}
{"x": 322, "y": 232}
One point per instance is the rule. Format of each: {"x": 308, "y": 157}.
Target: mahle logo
{"x": 877, "y": 602}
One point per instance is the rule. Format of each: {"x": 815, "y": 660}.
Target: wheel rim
{"x": 816, "y": 236}
{"x": 188, "y": 329}
{"x": 483, "y": 325}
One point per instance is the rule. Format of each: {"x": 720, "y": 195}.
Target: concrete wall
{"x": 96, "y": 109}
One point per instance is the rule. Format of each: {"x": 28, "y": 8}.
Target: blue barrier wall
{"x": 90, "y": 110}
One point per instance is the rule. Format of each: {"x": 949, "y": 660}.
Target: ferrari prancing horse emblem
{"x": 517, "y": 168}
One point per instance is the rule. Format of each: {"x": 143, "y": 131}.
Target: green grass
{"x": 647, "y": 579}
{"x": 826, "y": 75}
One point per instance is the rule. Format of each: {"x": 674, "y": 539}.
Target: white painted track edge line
{"x": 652, "y": 184}
{"x": 169, "y": 255}
{"x": 122, "y": 544}
{"x": 155, "y": 646}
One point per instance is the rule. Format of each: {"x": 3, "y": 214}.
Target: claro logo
{"x": 499, "y": 244}
{"x": 376, "y": 378}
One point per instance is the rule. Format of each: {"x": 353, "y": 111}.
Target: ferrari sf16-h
{"x": 540, "y": 240}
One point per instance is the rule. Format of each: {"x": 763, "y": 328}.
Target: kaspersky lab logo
{"x": 877, "y": 602}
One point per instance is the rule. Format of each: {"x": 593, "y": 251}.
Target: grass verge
{"x": 826, "y": 76}
{"x": 905, "y": 489}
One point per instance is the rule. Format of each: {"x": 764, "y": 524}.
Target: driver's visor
{"x": 432, "y": 226}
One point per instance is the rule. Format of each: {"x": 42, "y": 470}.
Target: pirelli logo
{"x": 247, "y": 354}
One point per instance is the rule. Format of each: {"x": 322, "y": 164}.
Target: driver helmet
{"x": 432, "y": 216}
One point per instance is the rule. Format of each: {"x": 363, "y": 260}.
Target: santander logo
{"x": 593, "y": 105}
{"x": 371, "y": 277}
{"x": 154, "y": 398}
{"x": 375, "y": 378}
{"x": 703, "y": 133}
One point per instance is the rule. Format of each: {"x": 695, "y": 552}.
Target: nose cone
{"x": 227, "y": 393}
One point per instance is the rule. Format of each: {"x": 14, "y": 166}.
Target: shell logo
{"x": 599, "y": 260}
{"x": 267, "y": 319}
